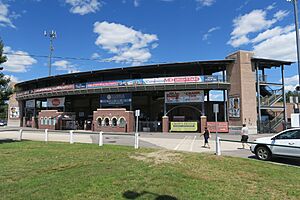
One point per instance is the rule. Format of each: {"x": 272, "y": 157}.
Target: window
{"x": 42, "y": 121}
{"x": 114, "y": 122}
{"x": 106, "y": 122}
{"x": 294, "y": 134}
{"x": 54, "y": 121}
{"x": 50, "y": 121}
{"x": 122, "y": 122}
{"x": 99, "y": 121}
{"x": 45, "y": 121}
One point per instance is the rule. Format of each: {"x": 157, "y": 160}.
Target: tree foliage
{"x": 5, "y": 89}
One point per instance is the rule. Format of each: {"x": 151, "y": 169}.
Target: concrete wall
{"x": 242, "y": 77}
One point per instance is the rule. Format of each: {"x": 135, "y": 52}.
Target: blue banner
{"x": 80, "y": 85}
{"x": 123, "y": 99}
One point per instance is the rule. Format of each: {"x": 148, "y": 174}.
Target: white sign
{"x": 14, "y": 112}
{"x": 137, "y": 113}
{"x": 192, "y": 96}
{"x": 56, "y": 102}
{"x": 216, "y": 108}
{"x": 30, "y": 103}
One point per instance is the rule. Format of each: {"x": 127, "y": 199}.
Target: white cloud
{"x": 17, "y": 61}
{"x": 281, "y": 14}
{"x": 252, "y": 22}
{"x": 64, "y": 65}
{"x": 206, "y": 35}
{"x": 205, "y": 2}
{"x": 290, "y": 83}
{"x": 83, "y": 7}
{"x": 127, "y": 44}
{"x": 282, "y": 47}
{"x": 95, "y": 56}
{"x": 136, "y": 3}
{"x": 13, "y": 79}
{"x": 272, "y": 33}
{"x": 5, "y": 17}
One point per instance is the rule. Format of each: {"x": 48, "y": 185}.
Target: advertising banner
{"x": 184, "y": 96}
{"x": 80, "y": 85}
{"x": 30, "y": 103}
{"x": 184, "y": 126}
{"x": 222, "y": 127}
{"x": 56, "y": 88}
{"x": 210, "y": 78}
{"x": 234, "y": 107}
{"x": 14, "y": 112}
{"x": 56, "y": 102}
{"x": 123, "y": 99}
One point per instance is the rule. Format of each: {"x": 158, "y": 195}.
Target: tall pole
{"x": 52, "y": 35}
{"x": 295, "y": 3}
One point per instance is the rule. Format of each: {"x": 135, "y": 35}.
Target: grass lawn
{"x": 36, "y": 170}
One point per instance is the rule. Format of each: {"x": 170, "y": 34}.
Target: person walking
{"x": 244, "y": 134}
{"x": 206, "y": 135}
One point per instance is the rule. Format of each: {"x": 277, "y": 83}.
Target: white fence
{"x": 71, "y": 136}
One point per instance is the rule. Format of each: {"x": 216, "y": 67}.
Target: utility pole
{"x": 52, "y": 36}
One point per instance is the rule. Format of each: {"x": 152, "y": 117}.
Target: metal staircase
{"x": 268, "y": 99}
{"x": 271, "y": 126}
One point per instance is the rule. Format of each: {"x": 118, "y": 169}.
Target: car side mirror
{"x": 273, "y": 138}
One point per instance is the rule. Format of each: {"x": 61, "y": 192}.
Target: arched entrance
{"x": 184, "y": 115}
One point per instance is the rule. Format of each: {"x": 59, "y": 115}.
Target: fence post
{"x": 100, "y": 138}
{"x": 136, "y": 140}
{"x": 46, "y": 135}
{"x": 218, "y": 147}
{"x": 71, "y": 137}
{"x": 20, "y": 134}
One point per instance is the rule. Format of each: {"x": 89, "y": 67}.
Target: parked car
{"x": 289, "y": 138}
{"x": 3, "y": 122}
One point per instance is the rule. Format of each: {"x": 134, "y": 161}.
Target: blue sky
{"x": 138, "y": 32}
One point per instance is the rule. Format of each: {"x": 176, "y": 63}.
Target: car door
{"x": 288, "y": 138}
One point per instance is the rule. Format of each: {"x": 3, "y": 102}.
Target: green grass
{"x": 36, "y": 170}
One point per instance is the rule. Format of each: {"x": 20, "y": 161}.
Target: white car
{"x": 289, "y": 138}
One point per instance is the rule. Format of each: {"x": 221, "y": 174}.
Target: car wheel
{"x": 263, "y": 153}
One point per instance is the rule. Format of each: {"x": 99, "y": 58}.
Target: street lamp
{"x": 52, "y": 36}
{"x": 295, "y": 3}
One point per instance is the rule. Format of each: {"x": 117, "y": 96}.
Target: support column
{"x": 258, "y": 98}
{"x": 225, "y": 105}
{"x": 165, "y": 124}
{"x": 203, "y": 120}
{"x": 284, "y": 97}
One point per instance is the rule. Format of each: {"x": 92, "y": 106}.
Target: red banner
{"x": 222, "y": 127}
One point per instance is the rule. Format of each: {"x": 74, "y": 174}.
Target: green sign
{"x": 184, "y": 126}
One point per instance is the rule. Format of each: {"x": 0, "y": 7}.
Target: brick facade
{"x": 113, "y": 120}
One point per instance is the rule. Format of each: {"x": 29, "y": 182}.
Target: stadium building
{"x": 173, "y": 97}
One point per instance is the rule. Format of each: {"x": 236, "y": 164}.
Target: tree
{"x": 5, "y": 89}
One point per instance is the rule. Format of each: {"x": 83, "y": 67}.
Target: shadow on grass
{"x": 3, "y": 141}
{"x": 282, "y": 160}
{"x": 133, "y": 195}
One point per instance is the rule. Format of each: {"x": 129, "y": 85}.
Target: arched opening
{"x": 122, "y": 122}
{"x": 114, "y": 122}
{"x": 106, "y": 121}
{"x": 99, "y": 121}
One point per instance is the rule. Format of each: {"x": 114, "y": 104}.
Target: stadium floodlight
{"x": 295, "y": 3}
{"x": 52, "y": 35}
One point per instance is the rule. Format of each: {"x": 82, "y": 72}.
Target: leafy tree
{"x": 5, "y": 89}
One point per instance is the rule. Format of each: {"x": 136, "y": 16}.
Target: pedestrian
{"x": 206, "y": 135}
{"x": 244, "y": 134}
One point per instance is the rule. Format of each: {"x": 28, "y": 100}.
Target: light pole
{"x": 52, "y": 36}
{"x": 295, "y": 3}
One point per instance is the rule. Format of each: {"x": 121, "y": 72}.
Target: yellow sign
{"x": 184, "y": 126}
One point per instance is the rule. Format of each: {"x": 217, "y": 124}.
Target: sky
{"x": 101, "y": 34}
